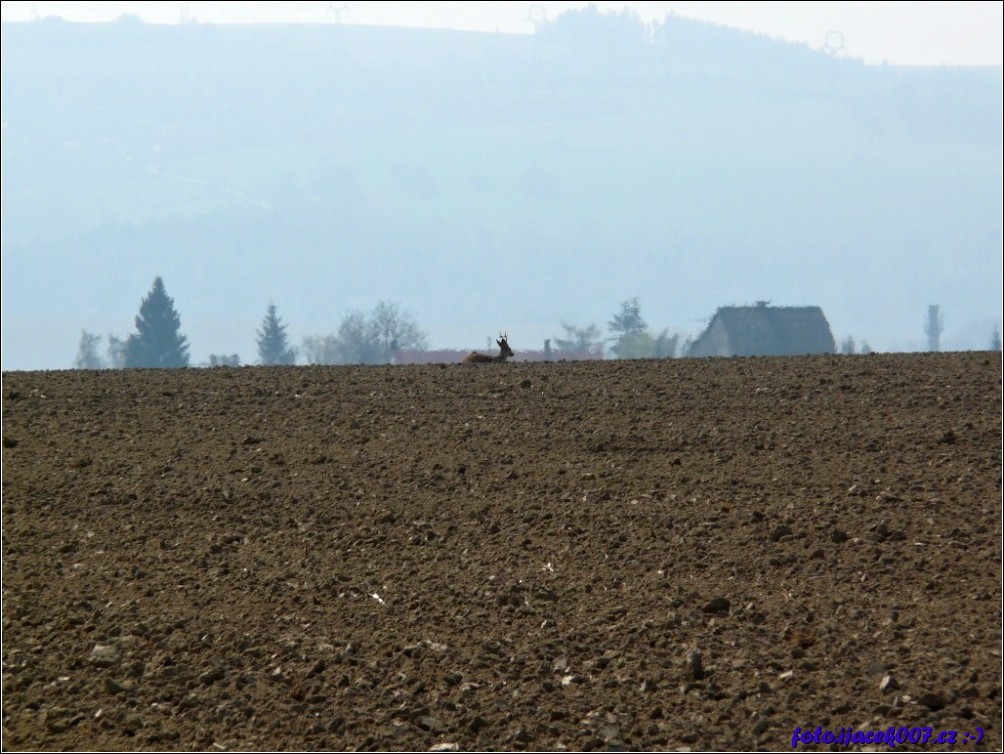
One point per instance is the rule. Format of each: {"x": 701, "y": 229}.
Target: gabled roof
{"x": 763, "y": 330}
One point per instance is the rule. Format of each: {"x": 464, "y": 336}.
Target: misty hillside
{"x": 485, "y": 181}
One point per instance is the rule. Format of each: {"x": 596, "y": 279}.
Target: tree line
{"x": 375, "y": 338}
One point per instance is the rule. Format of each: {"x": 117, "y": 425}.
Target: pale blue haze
{"x": 486, "y": 182}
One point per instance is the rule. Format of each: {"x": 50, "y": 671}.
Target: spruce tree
{"x": 157, "y": 342}
{"x": 273, "y": 347}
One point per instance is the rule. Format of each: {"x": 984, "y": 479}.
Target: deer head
{"x": 503, "y": 343}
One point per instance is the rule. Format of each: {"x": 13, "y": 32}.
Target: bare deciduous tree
{"x": 87, "y": 352}
{"x": 375, "y": 339}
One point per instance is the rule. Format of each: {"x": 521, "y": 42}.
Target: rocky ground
{"x": 694, "y": 553}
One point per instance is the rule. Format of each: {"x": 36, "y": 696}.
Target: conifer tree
{"x": 157, "y": 342}
{"x": 273, "y": 346}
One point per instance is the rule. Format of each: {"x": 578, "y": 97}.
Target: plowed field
{"x": 702, "y": 553}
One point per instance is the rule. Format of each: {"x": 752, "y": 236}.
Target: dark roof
{"x": 767, "y": 331}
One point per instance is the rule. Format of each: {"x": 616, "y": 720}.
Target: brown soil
{"x": 639, "y": 555}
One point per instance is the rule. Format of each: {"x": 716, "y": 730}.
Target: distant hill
{"x": 486, "y": 181}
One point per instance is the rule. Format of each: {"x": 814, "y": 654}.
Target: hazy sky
{"x": 904, "y": 33}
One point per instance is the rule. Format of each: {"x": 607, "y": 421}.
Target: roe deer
{"x": 504, "y": 353}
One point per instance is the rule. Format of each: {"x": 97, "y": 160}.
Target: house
{"x": 764, "y": 330}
